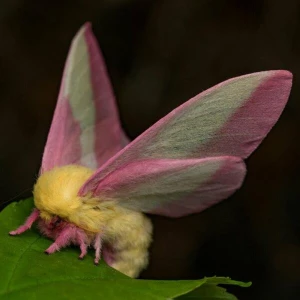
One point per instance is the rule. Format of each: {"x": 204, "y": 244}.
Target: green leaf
{"x": 226, "y": 280}
{"x": 27, "y": 273}
{"x": 208, "y": 292}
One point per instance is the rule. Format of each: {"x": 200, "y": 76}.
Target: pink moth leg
{"x": 62, "y": 240}
{"x": 81, "y": 241}
{"x": 97, "y": 246}
{"x": 28, "y": 223}
{"x": 68, "y": 235}
{"x": 108, "y": 255}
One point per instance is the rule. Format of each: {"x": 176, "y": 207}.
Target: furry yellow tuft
{"x": 55, "y": 192}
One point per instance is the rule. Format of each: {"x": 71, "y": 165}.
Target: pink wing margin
{"x": 85, "y": 128}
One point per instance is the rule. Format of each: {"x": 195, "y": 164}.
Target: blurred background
{"x": 160, "y": 53}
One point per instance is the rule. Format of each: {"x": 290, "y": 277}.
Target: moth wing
{"x": 229, "y": 119}
{"x": 172, "y": 187}
{"x": 85, "y": 128}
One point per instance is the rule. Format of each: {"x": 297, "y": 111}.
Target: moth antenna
{"x": 15, "y": 197}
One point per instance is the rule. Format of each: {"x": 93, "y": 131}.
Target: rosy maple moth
{"x": 95, "y": 186}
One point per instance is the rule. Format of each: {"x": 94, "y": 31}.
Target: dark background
{"x": 159, "y": 54}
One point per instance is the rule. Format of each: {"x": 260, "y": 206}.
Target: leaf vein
{"x": 17, "y": 264}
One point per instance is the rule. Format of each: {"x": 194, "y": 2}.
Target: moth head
{"x": 56, "y": 191}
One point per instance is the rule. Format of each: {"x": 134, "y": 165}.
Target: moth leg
{"x": 62, "y": 240}
{"x": 108, "y": 254}
{"x": 28, "y": 223}
{"x": 81, "y": 238}
{"x": 97, "y": 246}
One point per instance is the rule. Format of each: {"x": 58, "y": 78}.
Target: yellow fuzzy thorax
{"x": 130, "y": 232}
{"x": 56, "y": 193}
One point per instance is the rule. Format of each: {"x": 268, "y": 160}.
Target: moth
{"x": 95, "y": 186}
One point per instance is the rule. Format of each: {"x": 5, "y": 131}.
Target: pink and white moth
{"x": 94, "y": 186}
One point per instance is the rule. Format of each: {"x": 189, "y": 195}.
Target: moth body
{"x": 125, "y": 234}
